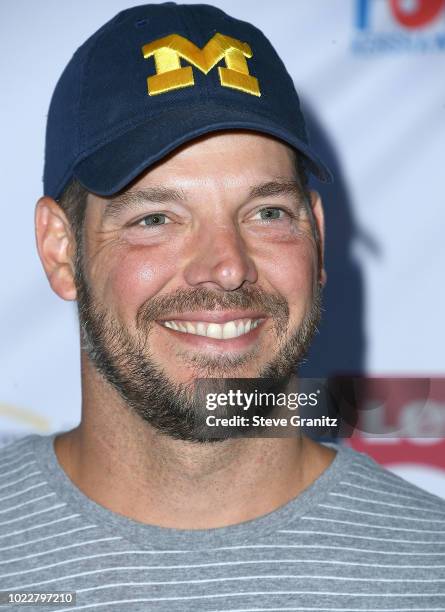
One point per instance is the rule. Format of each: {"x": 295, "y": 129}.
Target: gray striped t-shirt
{"x": 359, "y": 538}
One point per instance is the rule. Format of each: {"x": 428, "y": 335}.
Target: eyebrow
{"x": 276, "y": 188}
{"x": 131, "y": 200}
{"x": 135, "y": 199}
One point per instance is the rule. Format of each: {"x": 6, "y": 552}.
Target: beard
{"x": 175, "y": 409}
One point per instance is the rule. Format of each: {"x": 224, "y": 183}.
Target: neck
{"x": 125, "y": 465}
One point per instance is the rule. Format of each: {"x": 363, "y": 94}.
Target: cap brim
{"x": 115, "y": 164}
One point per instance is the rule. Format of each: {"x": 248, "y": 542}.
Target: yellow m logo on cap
{"x": 170, "y": 75}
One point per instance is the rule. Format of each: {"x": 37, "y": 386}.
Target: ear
{"x": 56, "y": 247}
{"x": 317, "y": 209}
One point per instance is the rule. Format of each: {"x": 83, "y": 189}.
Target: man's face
{"x": 205, "y": 267}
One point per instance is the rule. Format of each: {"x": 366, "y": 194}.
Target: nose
{"x": 220, "y": 260}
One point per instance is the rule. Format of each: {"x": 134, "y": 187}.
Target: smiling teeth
{"x": 220, "y": 331}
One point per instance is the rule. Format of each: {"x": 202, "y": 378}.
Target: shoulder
{"x": 365, "y": 473}
{"x": 19, "y": 450}
{"x": 367, "y": 492}
{"x": 22, "y": 472}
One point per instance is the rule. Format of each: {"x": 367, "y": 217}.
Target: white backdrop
{"x": 374, "y": 90}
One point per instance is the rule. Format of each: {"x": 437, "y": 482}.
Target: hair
{"x": 303, "y": 179}
{"x": 73, "y": 202}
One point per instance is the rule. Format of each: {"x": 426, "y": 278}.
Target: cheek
{"x": 138, "y": 275}
{"x": 292, "y": 271}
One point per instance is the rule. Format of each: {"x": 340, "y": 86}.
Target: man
{"x": 176, "y": 213}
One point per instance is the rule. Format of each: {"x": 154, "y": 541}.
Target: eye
{"x": 154, "y": 219}
{"x": 270, "y": 213}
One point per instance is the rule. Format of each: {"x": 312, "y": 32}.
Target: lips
{"x": 222, "y": 331}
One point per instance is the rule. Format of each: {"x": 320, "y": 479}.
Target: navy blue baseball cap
{"x": 155, "y": 77}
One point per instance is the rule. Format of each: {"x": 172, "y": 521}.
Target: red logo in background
{"x": 399, "y": 410}
{"x": 425, "y": 12}
{"x": 392, "y": 451}
{"x": 416, "y": 14}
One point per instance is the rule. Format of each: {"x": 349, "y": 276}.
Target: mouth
{"x": 227, "y": 330}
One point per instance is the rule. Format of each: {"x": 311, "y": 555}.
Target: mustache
{"x": 201, "y": 298}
